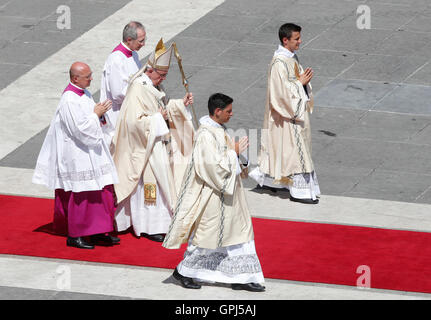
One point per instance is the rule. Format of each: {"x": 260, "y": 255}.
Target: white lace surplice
{"x": 233, "y": 264}
{"x": 74, "y": 156}
{"x": 304, "y": 186}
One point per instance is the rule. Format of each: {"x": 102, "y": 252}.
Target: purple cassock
{"x": 79, "y": 214}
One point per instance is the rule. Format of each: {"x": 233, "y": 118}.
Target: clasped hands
{"x": 306, "y": 76}
{"x": 101, "y": 107}
{"x": 241, "y": 145}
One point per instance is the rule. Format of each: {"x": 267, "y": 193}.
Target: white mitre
{"x": 160, "y": 58}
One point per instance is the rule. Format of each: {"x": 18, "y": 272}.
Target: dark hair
{"x": 286, "y": 30}
{"x": 218, "y": 100}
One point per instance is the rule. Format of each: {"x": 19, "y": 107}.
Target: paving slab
{"x": 353, "y": 94}
{"x": 421, "y": 76}
{"x": 422, "y": 137}
{"x": 406, "y": 43}
{"x": 385, "y": 15}
{"x": 267, "y": 33}
{"x": 400, "y": 186}
{"x": 326, "y": 63}
{"x": 385, "y": 68}
{"x": 382, "y": 126}
{"x": 407, "y": 157}
{"x": 221, "y": 27}
{"x": 334, "y": 122}
{"x": 340, "y": 39}
{"x": 318, "y": 12}
{"x": 407, "y": 98}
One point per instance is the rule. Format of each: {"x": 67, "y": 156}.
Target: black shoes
{"x": 255, "y": 287}
{"x": 307, "y": 201}
{"x": 189, "y": 283}
{"x": 186, "y": 282}
{"x": 78, "y": 243}
{"x": 160, "y": 237}
{"x": 96, "y": 239}
{"x": 264, "y": 187}
{"x": 104, "y": 239}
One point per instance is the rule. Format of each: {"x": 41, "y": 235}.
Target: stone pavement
{"x": 370, "y": 126}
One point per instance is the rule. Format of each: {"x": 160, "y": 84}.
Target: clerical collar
{"x": 284, "y": 52}
{"x": 124, "y": 49}
{"x": 206, "y": 120}
{"x": 74, "y": 88}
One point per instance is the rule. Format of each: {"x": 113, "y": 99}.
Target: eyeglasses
{"x": 88, "y": 77}
{"x": 162, "y": 75}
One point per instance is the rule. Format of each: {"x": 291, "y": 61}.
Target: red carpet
{"x": 311, "y": 252}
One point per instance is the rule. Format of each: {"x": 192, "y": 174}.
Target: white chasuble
{"x": 285, "y": 154}
{"x": 142, "y": 152}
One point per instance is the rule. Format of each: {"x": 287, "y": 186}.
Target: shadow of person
{"x": 49, "y": 229}
{"x": 282, "y": 193}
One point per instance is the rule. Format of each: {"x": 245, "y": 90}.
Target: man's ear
{"x": 217, "y": 112}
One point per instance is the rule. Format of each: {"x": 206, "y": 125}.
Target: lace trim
{"x": 218, "y": 261}
{"x": 86, "y": 175}
{"x": 303, "y": 180}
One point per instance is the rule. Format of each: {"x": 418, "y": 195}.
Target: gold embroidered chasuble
{"x": 286, "y": 135}
{"x": 137, "y": 148}
{"x": 211, "y": 203}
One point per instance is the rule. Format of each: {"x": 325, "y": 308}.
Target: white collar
{"x": 125, "y": 46}
{"x": 206, "y": 120}
{"x": 76, "y": 86}
{"x": 284, "y": 52}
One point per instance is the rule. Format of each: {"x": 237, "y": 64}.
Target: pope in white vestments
{"x": 75, "y": 162}
{"x": 121, "y": 64}
{"x": 285, "y": 154}
{"x": 211, "y": 212}
{"x": 150, "y": 149}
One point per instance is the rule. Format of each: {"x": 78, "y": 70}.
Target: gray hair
{"x": 131, "y": 30}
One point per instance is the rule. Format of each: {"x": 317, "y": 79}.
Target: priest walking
{"x": 75, "y": 162}
{"x": 149, "y": 147}
{"x": 121, "y": 64}
{"x": 211, "y": 213}
{"x": 285, "y": 154}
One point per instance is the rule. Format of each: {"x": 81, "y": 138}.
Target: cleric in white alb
{"x": 121, "y": 64}
{"x": 75, "y": 161}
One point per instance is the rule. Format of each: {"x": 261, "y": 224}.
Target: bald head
{"x": 78, "y": 68}
{"x": 80, "y": 74}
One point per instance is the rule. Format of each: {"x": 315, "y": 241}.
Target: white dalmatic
{"x": 237, "y": 263}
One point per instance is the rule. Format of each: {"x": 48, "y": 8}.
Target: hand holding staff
{"x": 188, "y": 99}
